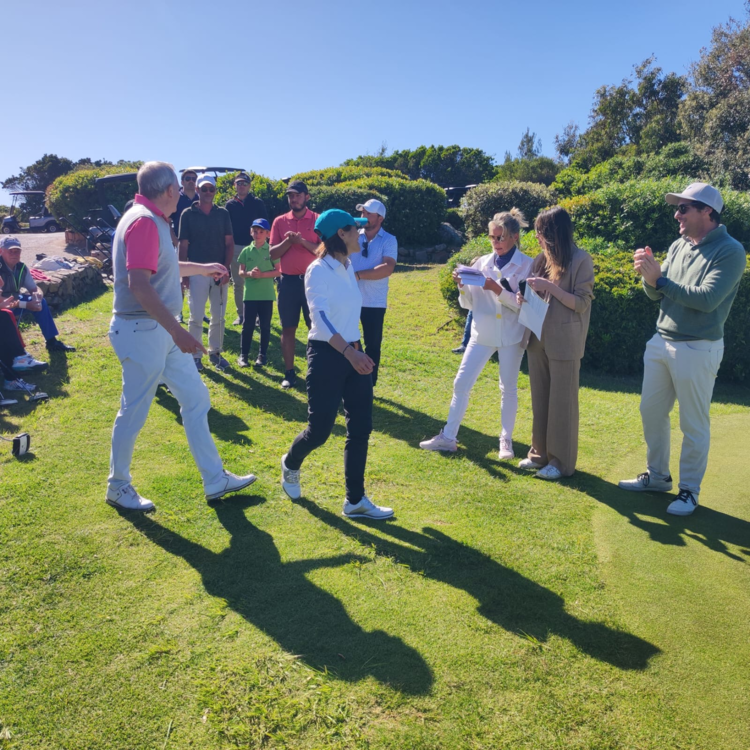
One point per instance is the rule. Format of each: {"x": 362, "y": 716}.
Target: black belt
{"x": 294, "y": 275}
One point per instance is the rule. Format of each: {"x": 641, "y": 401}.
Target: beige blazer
{"x": 564, "y": 331}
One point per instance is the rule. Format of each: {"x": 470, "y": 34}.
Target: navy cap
{"x": 9, "y": 242}
{"x": 262, "y": 223}
{"x": 330, "y": 221}
{"x": 243, "y": 176}
{"x": 297, "y": 186}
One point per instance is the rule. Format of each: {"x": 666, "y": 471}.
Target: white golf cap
{"x": 206, "y": 179}
{"x": 698, "y": 191}
{"x": 373, "y": 206}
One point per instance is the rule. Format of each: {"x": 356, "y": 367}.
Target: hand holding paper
{"x": 533, "y": 311}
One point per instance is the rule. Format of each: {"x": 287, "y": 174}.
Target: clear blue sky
{"x": 281, "y": 87}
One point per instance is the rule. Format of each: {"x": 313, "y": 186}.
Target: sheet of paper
{"x": 533, "y": 311}
{"x": 470, "y": 276}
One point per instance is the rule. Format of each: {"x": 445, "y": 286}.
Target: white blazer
{"x": 496, "y": 316}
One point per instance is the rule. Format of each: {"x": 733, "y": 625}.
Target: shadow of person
{"x": 278, "y": 598}
{"x": 710, "y": 527}
{"x": 506, "y": 598}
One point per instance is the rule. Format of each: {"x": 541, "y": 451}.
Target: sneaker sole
{"x": 356, "y": 516}
{"x": 643, "y": 489}
{"x": 439, "y": 450}
{"x": 290, "y": 494}
{"x": 681, "y": 515}
{"x": 117, "y": 505}
{"x": 219, "y": 495}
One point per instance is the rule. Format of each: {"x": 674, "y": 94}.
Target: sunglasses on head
{"x": 683, "y": 208}
{"x": 208, "y": 189}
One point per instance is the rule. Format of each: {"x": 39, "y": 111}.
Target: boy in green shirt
{"x": 259, "y": 271}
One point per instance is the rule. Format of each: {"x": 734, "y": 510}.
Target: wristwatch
{"x": 661, "y": 282}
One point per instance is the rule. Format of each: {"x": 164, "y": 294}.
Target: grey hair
{"x": 154, "y": 177}
{"x": 511, "y": 222}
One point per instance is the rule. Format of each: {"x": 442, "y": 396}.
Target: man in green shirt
{"x": 695, "y": 286}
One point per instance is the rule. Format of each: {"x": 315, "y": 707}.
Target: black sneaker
{"x": 261, "y": 361}
{"x": 55, "y": 345}
{"x": 290, "y": 379}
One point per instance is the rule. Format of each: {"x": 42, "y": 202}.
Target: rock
{"x": 422, "y": 256}
{"x": 441, "y": 257}
{"x": 440, "y": 248}
{"x": 450, "y": 235}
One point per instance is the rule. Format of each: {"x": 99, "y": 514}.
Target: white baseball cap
{"x": 698, "y": 191}
{"x": 373, "y": 206}
{"x": 206, "y": 179}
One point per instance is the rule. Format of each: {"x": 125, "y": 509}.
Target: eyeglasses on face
{"x": 497, "y": 237}
{"x": 241, "y": 182}
{"x": 187, "y": 178}
{"x": 208, "y": 189}
{"x": 683, "y": 208}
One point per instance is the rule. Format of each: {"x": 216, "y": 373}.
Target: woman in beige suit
{"x": 563, "y": 275}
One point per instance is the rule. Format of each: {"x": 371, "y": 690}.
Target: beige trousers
{"x": 204, "y": 289}
{"x": 554, "y": 403}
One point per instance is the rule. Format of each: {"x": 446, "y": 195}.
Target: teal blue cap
{"x": 330, "y": 221}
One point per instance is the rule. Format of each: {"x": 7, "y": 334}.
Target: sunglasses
{"x": 497, "y": 237}
{"x": 365, "y": 246}
{"x": 241, "y": 182}
{"x": 683, "y": 208}
{"x": 208, "y": 189}
{"x": 189, "y": 179}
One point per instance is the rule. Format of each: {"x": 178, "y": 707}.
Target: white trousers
{"x": 237, "y": 282}
{"x": 149, "y": 356}
{"x": 685, "y": 370}
{"x": 204, "y": 289}
{"x": 475, "y": 358}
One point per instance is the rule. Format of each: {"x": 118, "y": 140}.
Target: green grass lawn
{"x": 495, "y": 611}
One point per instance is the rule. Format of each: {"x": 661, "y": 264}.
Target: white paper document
{"x": 533, "y": 311}
{"x": 470, "y": 276}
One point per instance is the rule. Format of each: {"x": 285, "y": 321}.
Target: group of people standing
{"x": 696, "y": 286}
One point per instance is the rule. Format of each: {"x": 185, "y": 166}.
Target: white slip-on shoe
{"x": 228, "y": 483}
{"x": 439, "y": 443}
{"x": 506, "y": 449}
{"x": 527, "y": 463}
{"x": 684, "y": 504}
{"x": 127, "y": 498}
{"x": 290, "y": 480}
{"x": 646, "y": 483}
{"x": 549, "y": 472}
{"x": 365, "y": 508}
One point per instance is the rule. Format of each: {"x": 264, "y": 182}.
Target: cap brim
{"x": 674, "y": 198}
{"x": 359, "y": 221}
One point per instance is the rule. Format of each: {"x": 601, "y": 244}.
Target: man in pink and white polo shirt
{"x": 149, "y": 342}
{"x": 293, "y": 239}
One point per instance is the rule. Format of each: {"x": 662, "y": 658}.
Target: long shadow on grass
{"x": 710, "y": 527}
{"x": 407, "y": 424}
{"x": 278, "y": 598}
{"x": 506, "y": 598}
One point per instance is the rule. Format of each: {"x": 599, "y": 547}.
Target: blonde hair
{"x": 510, "y": 222}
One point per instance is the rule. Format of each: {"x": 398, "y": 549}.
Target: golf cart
{"x": 45, "y": 222}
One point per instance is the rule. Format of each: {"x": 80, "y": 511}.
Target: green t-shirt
{"x": 250, "y": 257}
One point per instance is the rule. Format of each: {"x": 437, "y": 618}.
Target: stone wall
{"x": 68, "y": 286}
{"x": 451, "y": 240}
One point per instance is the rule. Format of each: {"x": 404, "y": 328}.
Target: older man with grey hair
{"x": 150, "y": 343}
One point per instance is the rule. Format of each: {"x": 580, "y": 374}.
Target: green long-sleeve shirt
{"x": 702, "y": 282}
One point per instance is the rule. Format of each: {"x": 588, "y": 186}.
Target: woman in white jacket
{"x": 495, "y": 329}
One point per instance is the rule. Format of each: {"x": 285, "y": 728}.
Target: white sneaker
{"x": 527, "y": 463}
{"x": 685, "y": 503}
{"x": 646, "y": 483}
{"x": 228, "y": 483}
{"x": 128, "y": 499}
{"x": 290, "y": 480}
{"x": 19, "y": 385}
{"x": 365, "y": 508}
{"x": 26, "y": 362}
{"x": 549, "y": 472}
{"x": 439, "y": 443}
{"x": 506, "y": 449}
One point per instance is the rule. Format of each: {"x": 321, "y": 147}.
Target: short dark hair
{"x": 714, "y": 215}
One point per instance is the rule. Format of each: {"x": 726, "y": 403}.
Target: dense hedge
{"x": 271, "y": 192}
{"x": 75, "y": 192}
{"x": 634, "y": 214}
{"x": 623, "y": 318}
{"x": 336, "y": 175}
{"x": 481, "y": 203}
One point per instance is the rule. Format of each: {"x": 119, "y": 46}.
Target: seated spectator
{"x": 17, "y": 277}
{"x": 13, "y": 355}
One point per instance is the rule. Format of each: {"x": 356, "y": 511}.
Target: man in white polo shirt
{"x": 372, "y": 266}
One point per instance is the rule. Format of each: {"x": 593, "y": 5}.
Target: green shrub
{"x": 75, "y": 192}
{"x": 415, "y": 208}
{"x": 634, "y": 214}
{"x": 335, "y": 175}
{"x": 481, "y": 203}
{"x": 271, "y": 192}
{"x": 623, "y": 318}
{"x": 454, "y": 218}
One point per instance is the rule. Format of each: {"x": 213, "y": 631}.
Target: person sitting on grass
{"x": 495, "y": 328}
{"x": 260, "y": 291}
{"x": 20, "y": 279}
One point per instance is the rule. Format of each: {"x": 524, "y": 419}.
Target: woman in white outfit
{"x": 495, "y": 328}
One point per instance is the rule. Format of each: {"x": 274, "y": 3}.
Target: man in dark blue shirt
{"x": 244, "y": 209}
{"x": 188, "y": 196}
